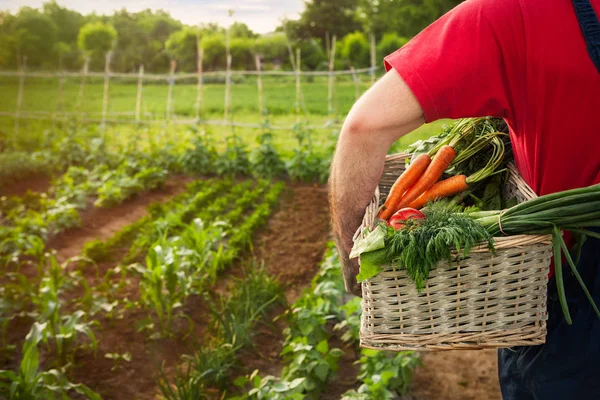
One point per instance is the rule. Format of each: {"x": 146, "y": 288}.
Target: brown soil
{"x": 293, "y": 243}
{"x": 38, "y": 184}
{"x": 457, "y": 375}
{"x": 102, "y": 223}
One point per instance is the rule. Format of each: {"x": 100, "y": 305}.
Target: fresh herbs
{"x": 446, "y": 233}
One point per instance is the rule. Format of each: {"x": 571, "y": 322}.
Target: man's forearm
{"x": 356, "y": 170}
{"x": 386, "y": 112}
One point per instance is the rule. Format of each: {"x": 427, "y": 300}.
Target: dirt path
{"x": 457, "y": 375}
{"x": 37, "y": 184}
{"x": 103, "y": 223}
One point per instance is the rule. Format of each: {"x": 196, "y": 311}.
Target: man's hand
{"x": 386, "y": 112}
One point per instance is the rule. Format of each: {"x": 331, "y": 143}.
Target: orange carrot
{"x": 440, "y": 162}
{"x": 403, "y": 183}
{"x": 447, "y": 187}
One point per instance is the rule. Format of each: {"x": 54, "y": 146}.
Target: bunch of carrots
{"x": 420, "y": 183}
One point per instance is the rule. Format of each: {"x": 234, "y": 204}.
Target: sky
{"x": 261, "y": 16}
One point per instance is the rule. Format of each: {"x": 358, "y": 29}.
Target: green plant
{"x": 31, "y": 383}
{"x": 201, "y": 158}
{"x": 306, "y": 164}
{"x": 63, "y": 330}
{"x": 95, "y": 250}
{"x": 384, "y": 376}
{"x": 234, "y": 161}
{"x": 266, "y": 162}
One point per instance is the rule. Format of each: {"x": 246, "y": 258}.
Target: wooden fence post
{"x": 106, "y": 88}
{"x": 138, "y": 97}
{"x": 227, "y": 87}
{"x": 331, "y": 82}
{"x": 298, "y": 87}
{"x": 356, "y": 83}
{"x": 59, "y": 96}
{"x": 372, "y": 40}
{"x": 170, "y": 93}
{"x": 199, "y": 89}
{"x": 261, "y": 108}
{"x": 86, "y": 66}
{"x": 20, "y": 98}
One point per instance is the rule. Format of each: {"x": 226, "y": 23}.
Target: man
{"x": 535, "y": 63}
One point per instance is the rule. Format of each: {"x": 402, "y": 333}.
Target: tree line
{"x": 56, "y": 38}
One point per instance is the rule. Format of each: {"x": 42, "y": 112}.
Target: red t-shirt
{"x": 521, "y": 60}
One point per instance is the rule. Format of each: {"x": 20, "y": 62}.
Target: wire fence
{"x": 137, "y": 115}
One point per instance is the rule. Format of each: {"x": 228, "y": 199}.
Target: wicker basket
{"x": 481, "y": 301}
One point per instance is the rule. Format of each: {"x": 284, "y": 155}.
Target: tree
{"x": 389, "y": 43}
{"x": 95, "y": 40}
{"x": 214, "y": 51}
{"x": 242, "y": 53}
{"x": 34, "y": 36}
{"x": 182, "y": 46}
{"x": 354, "y": 49}
{"x": 324, "y": 16}
{"x": 272, "y": 48}
{"x": 241, "y": 30}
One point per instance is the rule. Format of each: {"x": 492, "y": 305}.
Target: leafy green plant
{"x": 31, "y": 383}
{"x": 62, "y": 330}
{"x": 383, "y": 375}
{"x": 234, "y": 161}
{"x": 306, "y": 164}
{"x": 95, "y": 250}
{"x": 201, "y": 158}
{"x": 164, "y": 285}
{"x": 266, "y": 161}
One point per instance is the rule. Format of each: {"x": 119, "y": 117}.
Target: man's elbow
{"x": 356, "y": 127}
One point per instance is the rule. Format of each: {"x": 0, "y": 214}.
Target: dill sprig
{"x": 445, "y": 233}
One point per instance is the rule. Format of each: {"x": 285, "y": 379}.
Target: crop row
{"x": 182, "y": 261}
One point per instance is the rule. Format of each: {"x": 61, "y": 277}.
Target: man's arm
{"x": 386, "y": 112}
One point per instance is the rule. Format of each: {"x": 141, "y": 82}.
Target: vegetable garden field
{"x": 188, "y": 262}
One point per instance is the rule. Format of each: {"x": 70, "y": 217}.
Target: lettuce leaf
{"x": 370, "y": 264}
{"x": 373, "y": 241}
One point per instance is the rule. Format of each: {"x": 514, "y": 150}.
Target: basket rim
{"x": 500, "y": 242}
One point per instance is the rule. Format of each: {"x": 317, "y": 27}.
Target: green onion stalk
{"x": 574, "y": 210}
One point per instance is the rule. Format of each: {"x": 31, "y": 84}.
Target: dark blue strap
{"x": 590, "y": 27}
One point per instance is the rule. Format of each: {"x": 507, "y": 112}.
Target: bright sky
{"x": 260, "y": 15}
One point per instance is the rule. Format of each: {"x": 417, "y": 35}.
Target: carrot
{"x": 447, "y": 187}
{"x": 441, "y": 161}
{"x": 403, "y": 183}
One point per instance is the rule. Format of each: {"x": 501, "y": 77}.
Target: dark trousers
{"x": 567, "y": 366}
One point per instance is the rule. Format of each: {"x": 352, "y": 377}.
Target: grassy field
{"x": 279, "y": 101}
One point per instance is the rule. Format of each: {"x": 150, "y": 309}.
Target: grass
{"x": 41, "y": 94}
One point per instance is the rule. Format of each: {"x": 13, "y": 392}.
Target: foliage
{"x": 31, "y": 383}
{"x": 389, "y": 43}
{"x": 32, "y": 32}
{"x": 383, "y": 376}
{"x": 15, "y": 166}
{"x": 266, "y": 161}
{"x": 306, "y": 164}
{"x": 273, "y": 49}
{"x": 354, "y": 49}
{"x": 96, "y": 39}
{"x": 201, "y": 158}
{"x": 182, "y": 46}
{"x": 234, "y": 161}
{"x": 214, "y": 51}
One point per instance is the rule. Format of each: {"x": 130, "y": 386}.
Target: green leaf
{"x": 337, "y": 353}
{"x": 370, "y": 264}
{"x": 323, "y": 347}
{"x": 321, "y": 371}
{"x": 373, "y": 241}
